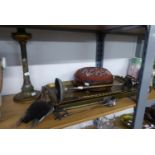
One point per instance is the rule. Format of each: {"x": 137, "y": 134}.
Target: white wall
{"x": 43, "y": 74}
{"x": 58, "y": 54}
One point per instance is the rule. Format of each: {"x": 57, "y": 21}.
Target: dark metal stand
{"x": 28, "y": 92}
{"x": 99, "y": 49}
{"x": 139, "y": 47}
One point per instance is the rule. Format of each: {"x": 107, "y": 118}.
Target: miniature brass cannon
{"x": 60, "y": 88}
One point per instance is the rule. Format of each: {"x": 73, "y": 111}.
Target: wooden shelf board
{"x": 151, "y": 98}
{"x": 152, "y": 95}
{"x": 11, "y": 112}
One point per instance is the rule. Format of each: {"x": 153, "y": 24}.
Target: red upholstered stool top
{"x": 93, "y": 76}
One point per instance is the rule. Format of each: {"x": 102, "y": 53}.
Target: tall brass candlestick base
{"x": 28, "y": 93}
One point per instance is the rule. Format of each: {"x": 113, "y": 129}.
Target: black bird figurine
{"x": 37, "y": 112}
{"x": 44, "y": 105}
{"x": 39, "y": 109}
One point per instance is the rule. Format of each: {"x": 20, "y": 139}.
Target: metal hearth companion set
{"x": 91, "y": 85}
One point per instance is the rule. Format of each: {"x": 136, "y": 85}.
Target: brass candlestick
{"x": 28, "y": 93}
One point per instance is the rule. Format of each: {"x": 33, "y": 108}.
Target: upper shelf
{"x": 118, "y": 29}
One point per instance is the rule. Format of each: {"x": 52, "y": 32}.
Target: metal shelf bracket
{"x": 99, "y": 49}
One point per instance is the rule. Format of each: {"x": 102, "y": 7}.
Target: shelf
{"x": 151, "y": 98}
{"x": 11, "y": 112}
{"x": 121, "y": 29}
{"x": 117, "y": 125}
{"x": 152, "y": 95}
